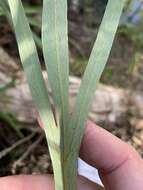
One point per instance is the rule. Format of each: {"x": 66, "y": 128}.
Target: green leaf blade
{"x": 31, "y": 64}
{"x": 55, "y": 50}
{"x": 97, "y": 62}
{"x": 30, "y": 60}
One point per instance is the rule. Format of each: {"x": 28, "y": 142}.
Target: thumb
{"x": 119, "y": 165}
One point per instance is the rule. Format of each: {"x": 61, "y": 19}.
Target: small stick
{"x": 6, "y": 151}
{"x": 29, "y": 150}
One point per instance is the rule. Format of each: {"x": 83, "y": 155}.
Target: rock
{"x": 136, "y": 104}
{"x": 109, "y": 103}
{"x": 9, "y": 69}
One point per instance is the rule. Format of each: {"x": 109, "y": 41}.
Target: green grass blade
{"x": 4, "y": 87}
{"x": 97, "y": 62}
{"x": 1, "y": 11}
{"x": 37, "y": 40}
{"x": 55, "y": 50}
{"x": 29, "y": 9}
{"x": 30, "y": 60}
{"x": 34, "y": 22}
{"x": 5, "y": 9}
{"x": 10, "y": 120}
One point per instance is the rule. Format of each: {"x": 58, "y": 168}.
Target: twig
{"x": 29, "y": 150}
{"x": 34, "y": 129}
{"x": 11, "y": 121}
{"x": 18, "y": 143}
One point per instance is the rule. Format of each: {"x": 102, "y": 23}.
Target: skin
{"x": 119, "y": 165}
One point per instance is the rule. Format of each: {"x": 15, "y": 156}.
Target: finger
{"x": 85, "y": 184}
{"x": 25, "y": 182}
{"x": 103, "y": 150}
{"x": 28, "y": 182}
{"x": 117, "y": 162}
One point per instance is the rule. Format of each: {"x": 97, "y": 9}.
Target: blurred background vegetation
{"x": 84, "y": 20}
{"x": 126, "y": 56}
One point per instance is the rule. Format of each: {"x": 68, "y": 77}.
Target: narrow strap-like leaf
{"x": 31, "y": 64}
{"x": 30, "y": 60}
{"x": 55, "y": 50}
{"x": 97, "y": 62}
{"x": 4, "y": 6}
{"x": 5, "y": 11}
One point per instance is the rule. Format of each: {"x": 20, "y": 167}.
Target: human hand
{"x": 120, "y": 166}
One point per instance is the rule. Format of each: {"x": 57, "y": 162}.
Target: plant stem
{"x": 65, "y": 173}
{"x": 70, "y": 172}
{"x": 65, "y": 168}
